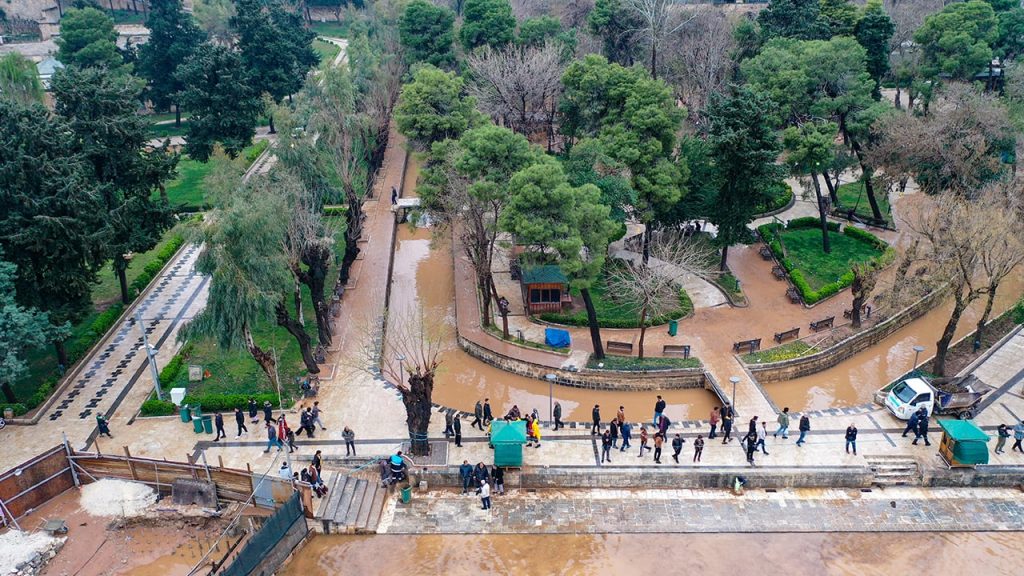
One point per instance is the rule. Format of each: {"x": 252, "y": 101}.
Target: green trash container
{"x": 673, "y": 327}
{"x": 197, "y": 410}
{"x": 208, "y": 424}
{"x": 186, "y": 415}
{"x": 197, "y": 424}
{"x": 406, "y": 494}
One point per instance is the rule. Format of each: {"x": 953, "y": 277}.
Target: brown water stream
{"x": 709, "y": 554}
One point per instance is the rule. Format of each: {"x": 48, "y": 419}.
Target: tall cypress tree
{"x": 173, "y": 37}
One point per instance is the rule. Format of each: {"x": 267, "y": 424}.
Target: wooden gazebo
{"x": 545, "y": 288}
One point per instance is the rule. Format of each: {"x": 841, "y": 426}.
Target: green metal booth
{"x": 508, "y": 439}
{"x": 963, "y": 444}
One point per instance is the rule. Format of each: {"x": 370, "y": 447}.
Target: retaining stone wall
{"x": 814, "y": 363}
{"x": 592, "y": 379}
{"x": 980, "y": 477}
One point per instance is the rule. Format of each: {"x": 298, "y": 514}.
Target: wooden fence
{"x": 31, "y": 484}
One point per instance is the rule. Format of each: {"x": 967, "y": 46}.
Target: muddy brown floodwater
{"x": 706, "y": 554}
{"x": 855, "y": 380}
{"x": 423, "y": 272}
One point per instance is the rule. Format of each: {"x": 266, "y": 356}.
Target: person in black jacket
{"x": 268, "y": 412}
{"x": 478, "y": 416}
{"x": 499, "y": 480}
{"x": 922, "y": 429}
{"x": 480, "y": 474}
{"x": 851, "y": 439}
{"x": 596, "y": 415}
{"x": 606, "y": 447}
{"x": 752, "y": 427}
{"x": 557, "y": 413}
{"x": 659, "y": 409}
{"x": 457, "y": 427}
{"x": 218, "y": 421}
{"x": 805, "y": 427}
{"x": 912, "y": 424}
{"x": 466, "y": 474}
{"x": 613, "y": 431}
{"x": 488, "y": 416}
{"x": 240, "y": 421}
{"x": 254, "y": 411}
{"x": 677, "y": 447}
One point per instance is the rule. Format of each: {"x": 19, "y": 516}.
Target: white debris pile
{"x": 117, "y": 498}
{"x": 24, "y": 553}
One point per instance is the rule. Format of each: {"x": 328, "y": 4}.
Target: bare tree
{"x": 408, "y": 354}
{"x": 518, "y": 86}
{"x": 907, "y": 16}
{"x": 660, "y": 19}
{"x": 699, "y": 61}
{"x": 1004, "y": 250}
{"x": 310, "y": 245}
{"x": 865, "y": 275}
{"x": 652, "y": 289}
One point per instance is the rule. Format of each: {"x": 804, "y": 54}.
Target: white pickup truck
{"x": 959, "y": 397}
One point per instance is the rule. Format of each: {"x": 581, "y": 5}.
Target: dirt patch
{"x": 963, "y": 353}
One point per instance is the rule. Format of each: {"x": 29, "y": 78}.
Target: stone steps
{"x": 894, "y": 470}
{"x": 353, "y": 505}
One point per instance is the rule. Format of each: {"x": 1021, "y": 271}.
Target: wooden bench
{"x": 676, "y": 350}
{"x": 750, "y": 345}
{"x": 620, "y": 348}
{"x": 779, "y": 272}
{"x": 766, "y": 253}
{"x": 794, "y": 333}
{"x": 822, "y": 324}
{"x": 865, "y": 309}
{"x": 793, "y": 296}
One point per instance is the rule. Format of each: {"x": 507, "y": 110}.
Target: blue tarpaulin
{"x": 556, "y": 337}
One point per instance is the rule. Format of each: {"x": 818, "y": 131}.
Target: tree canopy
{"x": 487, "y": 22}
{"x": 427, "y": 32}
{"x": 799, "y": 19}
{"x": 173, "y": 38}
{"x": 874, "y": 30}
{"x": 87, "y": 38}
{"x": 957, "y": 42}
{"x": 434, "y": 107}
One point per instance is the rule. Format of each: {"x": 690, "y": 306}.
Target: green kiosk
{"x": 963, "y": 444}
{"x": 508, "y": 439}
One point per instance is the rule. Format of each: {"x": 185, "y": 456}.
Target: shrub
{"x": 780, "y": 195}
{"x": 335, "y": 210}
{"x": 1018, "y": 312}
{"x": 153, "y": 268}
{"x": 104, "y": 321}
{"x": 156, "y": 407}
{"x": 810, "y": 222}
{"x": 863, "y": 236}
{"x": 254, "y": 151}
{"x": 787, "y": 351}
{"x": 171, "y": 370}
{"x": 226, "y": 402}
{"x": 41, "y": 393}
{"x": 18, "y": 408}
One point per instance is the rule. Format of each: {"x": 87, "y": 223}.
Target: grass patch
{"x": 613, "y": 313}
{"x": 495, "y": 331}
{"x": 186, "y": 192}
{"x": 631, "y": 364}
{"x": 787, "y": 351}
{"x": 852, "y": 195}
{"x": 803, "y": 249}
{"x": 332, "y": 29}
{"x": 168, "y": 130}
{"x": 327, "y": 51}
{"x": 731, "y": 285}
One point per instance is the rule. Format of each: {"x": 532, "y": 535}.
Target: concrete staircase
{"x": 894, "y": 470}
{"x": 352, "y": 505}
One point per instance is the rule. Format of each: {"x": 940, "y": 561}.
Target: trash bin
{"x": 673, "y": 327}
{"x": 197, "y": 410}
{"x": 208, "y": 424}
{"x": 406, "y": 494}
{"x": 186, "y": 415}
{"x": 197, "y": 424}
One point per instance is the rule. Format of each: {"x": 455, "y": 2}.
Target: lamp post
{"x": 735, "y": 380}
{"x": 401, "y": 369}
{"x": 551, "y": 396}
{"x": 917, "y": 352}
{"x": 150, "y": 354}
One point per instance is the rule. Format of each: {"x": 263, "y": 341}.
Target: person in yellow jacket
{"x": 536, "y": 431}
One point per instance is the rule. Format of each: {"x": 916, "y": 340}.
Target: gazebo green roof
{"x": 963, "y": 431}
{"x": 544, "y": 274}
{"x": 504, "y": 432}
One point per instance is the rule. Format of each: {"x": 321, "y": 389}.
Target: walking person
{"x": 726, "y": 424}
{"x": 851, "y": 439}
{"x": 304, "y": 423}
{"x": 254, "y": 411}
{"x": 488, "y": 416}
{"x": 698, "y": 448}
{"x": 316, "y": 412}
{"x": 240, "y": 421}
{"x": 103, "y": 425}
{"x": 318, "y": 461}
{"x": 595, "y": 415}
{"x": 922, "y": 429}
{"x": 448, "y": 423}
{"x": 912, "y": 423}
{"x": 762, "y": 435}
{"x": 606, "y": 447}
{"x": 466, "y": 474}
{"x": 557, "y": 415}
{"x": 752, "y": 426}
{"x": 394, "y": 195}
{"x": 218, "y": 423}
{"x": 783, "y": 421}
{"x": 271, "y": 438}
{"x": 485, "y": 495}
{"x": 457, "y": 428}
{"x": 536, "y": 432}
{"x": 659, "y": 409}
{"x": 658, "y": 441}
{"x": 716, "y": 417}
{"x": 663, "y": 424}
{"x": 621, "y": 415}
{"x": 350, "y": 441}
{"x": 268, "y": 412}
{"x": 290, "y": 435}
{"x": 750, "y": 444}
{"x": 677, "y": 447}
{"x": 1018, "y": 435}
{"x": 498, "y": 473}
{"x": 805, "y": 427}
{"x": 613, "y": 431}
{"x": 478, "y": 416}
{"x": 627, "y": 431}
{"x": 643, "y": 440}
{"x": 1001, "y": 434}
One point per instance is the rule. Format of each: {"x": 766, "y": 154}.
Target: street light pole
{"x": 735, "y": 380}
{"x": 150, "y": 354}
{"x": 551, "y": 396}
{"x": 917, "y": 352}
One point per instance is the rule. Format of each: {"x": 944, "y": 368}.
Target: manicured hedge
{"x": 254, "y": 151}
{"x": 810, "y": 222}
{"x": 864, "y": 236}
{"x": 153, "y": 268}
{"x": 171, "y": 370}
{"x": 18, "y": 408}
{"x": 208, "y": 403}
{"x": 780, "y": 197}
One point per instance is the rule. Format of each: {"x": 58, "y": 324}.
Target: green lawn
{"x": 636, "y": 364}
{"x": 186, "y": 191}
{"x": 852, "y": 195}
{"x": 614, "y": 313}
{"x": 332, "y": 29}
{"x": 803, "y": 249}
{"x": 327, "y": 51}
{"x": 168, "y": 130}
{"x": 43, "y": 361}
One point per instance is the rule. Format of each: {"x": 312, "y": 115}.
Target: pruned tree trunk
{"x": 723, "y": 262}
{"x": 595, "y": 330}
{"x": 979, "y": 333}
{"x": 484, "y": 286}
{"x": 9, "y": 393}
{"x": 942, "y": 346}
{"x": 121, "y": 270}
{"x": 317, "y": 259}
{"x": 297, "y": 297}
{"x": 416, "y": 397}
{"x": 831, "y": 188}
{"x": 896, "y": 101}
{"x": 864, "y": 277}
{"x": 177, "y": 115}
{"x": 285, "y": 320}
{"x": 822, "y": 214}
{"x": 647, "y": 243}
{"x": 643, "y": 332}
{"x": 261, "y": 356}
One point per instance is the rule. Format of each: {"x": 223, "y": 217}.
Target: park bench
{"x": 780, "y": 336}
{"x": 750, "y": 345}
{"x": 793, "y": 295}
{"x": 822, "y": 324}
{"x": 778, "y": 272}
{"x": 865, "y": 309}
{"x": 676, "y": 350}
{"x": 620, "y": 348}
{"x": 766, "y": 253}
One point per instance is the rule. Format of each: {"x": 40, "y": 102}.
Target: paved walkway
{"x": 710, "y": 511}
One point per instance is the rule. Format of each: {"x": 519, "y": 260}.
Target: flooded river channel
{"x": 706, "y": 554}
